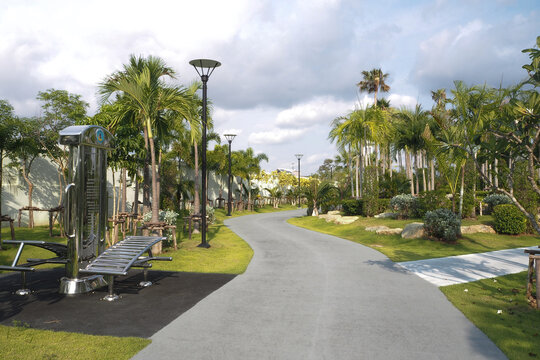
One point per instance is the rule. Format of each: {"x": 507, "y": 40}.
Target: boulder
{"x": 334, "y": 212}
{"x": 386, "y": 216}
{"x": 395, "y": 231}
{"x": 376, "y": 228}
{"x": 413, "y": 231}
{"x": 477, "y": 229}
{"x": 345, "y": 220}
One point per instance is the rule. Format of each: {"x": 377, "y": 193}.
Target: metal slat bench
{"x": 59, "y": 249}
{"x": 119, "y": 258}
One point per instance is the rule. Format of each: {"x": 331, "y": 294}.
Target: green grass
{"x": 21, "y": 342}
{"x": 517, "y": 330}
{"x": 399, "y": 249}
{"x": 228, "y": 254}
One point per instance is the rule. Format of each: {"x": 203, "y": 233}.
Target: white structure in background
{"x": 46, "y": 190}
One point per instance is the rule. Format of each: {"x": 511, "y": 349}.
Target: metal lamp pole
{"x": 204, "y": 68}
{"x": 298, "y": 156}
{"x": 229, "y": 138}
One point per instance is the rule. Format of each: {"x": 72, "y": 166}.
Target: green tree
{"x": 247, "y": 165}
{"x": 144, "y": 91}
{"x": 7, "y": 140}
{"x": 317, "y": 192}
{"x": 60, "y": 110}
{"x": 372, "y": 82}
{"x": 28, "y": 148}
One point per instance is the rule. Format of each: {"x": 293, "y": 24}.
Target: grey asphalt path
{"x": 307, "y": 295}
{"x": 471, "y": 267}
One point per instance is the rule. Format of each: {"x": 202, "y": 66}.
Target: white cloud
{"x": 397, "y": 100}
{"x": 276, "y": 136}
{"x": 317, "y": 111}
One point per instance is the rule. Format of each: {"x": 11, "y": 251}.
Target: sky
{"x": 289, "y": 67}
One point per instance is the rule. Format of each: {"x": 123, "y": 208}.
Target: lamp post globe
{"x": 230, "y": 138}
{"x": 205, "y": 68}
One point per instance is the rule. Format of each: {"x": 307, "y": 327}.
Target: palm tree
{"x": 410, "y": 130}
{"x": 373, "y": 81}
{"x": 143, "y": 90}
{"x": 317, "y": 192}
{"x": 246, "y": 164}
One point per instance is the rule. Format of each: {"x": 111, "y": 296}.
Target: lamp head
{"x": 204, "y": 67}
{"x": 229, "y": 137}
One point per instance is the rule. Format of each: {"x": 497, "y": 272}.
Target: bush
{"x": 509, "y": 219}
{"x": 430, "y": 201}
{"x": 442, "y": 224}
{"x": 404, "y": 205}
{"x": 494, "y": 200}
{"x": 352, "y": 207}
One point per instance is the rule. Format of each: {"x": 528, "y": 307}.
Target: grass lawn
{"x": 516, "y": 331}
{"x": 228, "y": 254}
{"x": 398, "y": 249}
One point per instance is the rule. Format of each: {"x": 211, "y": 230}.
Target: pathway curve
{"x": 307, "y": 295}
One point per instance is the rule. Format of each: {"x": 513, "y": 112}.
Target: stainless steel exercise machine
{"x": 89, "y": 265}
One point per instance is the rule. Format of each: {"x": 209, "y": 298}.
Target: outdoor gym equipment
{"x": 85, "y": 223}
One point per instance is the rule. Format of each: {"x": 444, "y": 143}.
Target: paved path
{"x": 307, "y": 295}
{"x": 471, "y": 267}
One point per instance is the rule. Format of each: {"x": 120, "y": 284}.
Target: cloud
{"x": 397, "y": 100}
{"x": 320, "y": 110}
{"x": 477, "y": 52}
{"x": 276, "y": 136}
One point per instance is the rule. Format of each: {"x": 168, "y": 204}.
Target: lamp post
{"x": 298, "y": 156}
{"x": 204, "y": 68}
{"x": 230, "y": 138}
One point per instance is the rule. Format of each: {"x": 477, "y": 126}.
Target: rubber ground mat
{"x": 139, "y": 312}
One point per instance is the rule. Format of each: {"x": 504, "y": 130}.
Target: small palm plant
{"x": 317, "y": 193}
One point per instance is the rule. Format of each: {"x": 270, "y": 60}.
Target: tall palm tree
{"x": 410, "y": 130}
{"x": 373, "y": 81}
{"x": 247, "y": 165}
{"x": 145, "y": 92}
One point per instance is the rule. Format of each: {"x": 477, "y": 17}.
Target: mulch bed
{"x": 140, "y": 311}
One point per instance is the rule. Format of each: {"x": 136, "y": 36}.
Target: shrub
{"x": 352, "y": 207}
{"x": 442, "y": 224}
{"x": 509, "y": 219}
{"x": 403, "y": 205}
{"x": 494, "y": 200}
{"x": 429, "y": 201}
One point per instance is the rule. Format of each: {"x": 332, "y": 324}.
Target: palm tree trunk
{"x": 146, "y": 176}
{"x": 408, "y": 170}
{"x": 416, "y": 172}
{"x": 135, "y": 209}
{"x": 124, "y": 190}
{"x": 423, "y": 154}
{"x": 432, "y": 167}
{"x": 358, "y": 162}
{"x": 496, "y": 173}
{"x": 461, "y": 190}
{"x": 155, "y": 197}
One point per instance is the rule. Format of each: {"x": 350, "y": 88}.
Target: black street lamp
{"x": 298, "y": 156}
{"x": 204, "y": 68}
{"x": 230, "y": 138}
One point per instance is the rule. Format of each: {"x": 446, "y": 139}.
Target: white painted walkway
{"x": 465, "y": 268}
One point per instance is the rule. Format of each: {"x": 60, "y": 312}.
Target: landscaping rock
{"x": 345, "y": 220}
{"x": 334, "y": 212}
{"x": 386, "y": 215}
{"x": 477, "y": 229}
{"x": 413, "y": 231}
{"x": 377, "y": 228}
{"x": 338, "y": 219}
{"x": 395, "y": 231}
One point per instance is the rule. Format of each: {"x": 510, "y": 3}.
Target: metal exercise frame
{"x": 85, "y": 223}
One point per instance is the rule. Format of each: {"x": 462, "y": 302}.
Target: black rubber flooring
{"x": 140, "y": 311}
